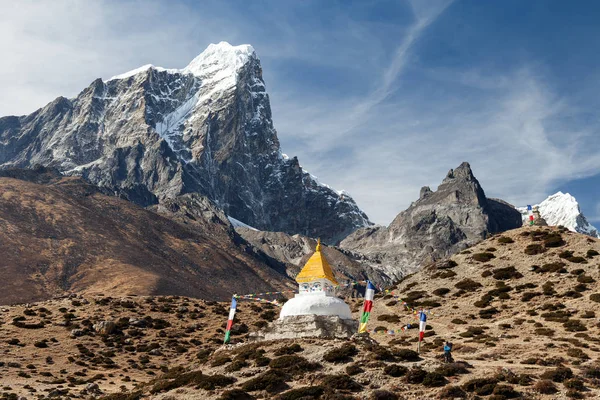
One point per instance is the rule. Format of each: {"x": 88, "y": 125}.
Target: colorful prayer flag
{"x": 422, "y": 325}
{"x": 230, "y": 320}
{"x": 368, "y": 306}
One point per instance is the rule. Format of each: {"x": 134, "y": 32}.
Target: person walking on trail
{"x": 447, "y": 352}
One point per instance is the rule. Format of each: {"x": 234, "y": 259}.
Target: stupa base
{"x": 304, "y": 326}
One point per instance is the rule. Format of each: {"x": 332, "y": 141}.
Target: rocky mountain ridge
{"x": 152, "y": 134}
{"x": 438, "y": 224}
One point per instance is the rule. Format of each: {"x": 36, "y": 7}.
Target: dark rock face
{"x": 440, "y": 223}
{"x": 154, "y": 134}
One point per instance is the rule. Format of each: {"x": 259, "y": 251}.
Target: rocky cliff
{"x": 439, "y": 223}
{"x": 153, "y": 133}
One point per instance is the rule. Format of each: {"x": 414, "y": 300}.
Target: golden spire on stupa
{"x": 316, "y": 267}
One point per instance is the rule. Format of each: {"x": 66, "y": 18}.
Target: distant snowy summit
{"x": 563, "y": 209}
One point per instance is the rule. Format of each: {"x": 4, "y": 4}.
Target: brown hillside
{"x": 62, "y": 235}
{"x": 525, "y": 339}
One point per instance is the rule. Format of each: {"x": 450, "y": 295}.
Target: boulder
{"x": 105, "y": 327}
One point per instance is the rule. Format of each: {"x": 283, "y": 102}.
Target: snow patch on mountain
{"x": 140, "y": 70}
{"x": 239, "y": 224}
{"x": 218, "y": 65}
{"x": 563, "y": 209}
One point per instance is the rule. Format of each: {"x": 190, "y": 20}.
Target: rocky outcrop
{"x": 304, "y": 326}
{"x": 153, "y": 134}
{"x": 438, "y": 224}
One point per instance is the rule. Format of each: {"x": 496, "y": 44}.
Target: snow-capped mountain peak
{"x": 152, "y": 134}
{"x": 220, "y": 57}
{"x": 563, "y": 209}
{"x": 219, "y": 62}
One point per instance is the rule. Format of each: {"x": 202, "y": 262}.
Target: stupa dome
{"x": 316, "y": 295}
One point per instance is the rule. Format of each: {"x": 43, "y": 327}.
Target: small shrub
{"x": 235, "y": 394}
{"x": 595, "y": 297}
{"x": 342, "y": 354}
{"x": 544, "y": 332}
{"x": 380, "y": 353}
{"x": 565, "y": 254}
{"x": 291, "y": 349}
{"x": 530, "y": 295}
{"x": 468, "y": 285}
{"x": 441, "y": 291}
{"x": 445, "y": 274}
{"x": 293, "y": 364}
{"x": 268, "y": 315}
{"x": 395, "y": 370}
{"x": 558, "y": 374}
{"x": 577, "y": 353}
{"x": 406, "y": 355}
{"x": 271, "y": 381}
{"x": 574, "y": 325}
{"x": 577, "y": 260}
{"x": 591, "y": 253}
{"x": 554, "y": 240}
{"x": 458, "y": 321}
{"x": 483, "y": 257}
{"x": 488, "y": 313}
{"x": 592, "y": 372}
{"x": 236, "y": 365}
{"x": 481, "y": 386}
{"x": 341, "y": 382}
{"x": 585, "y": 279}
{"x": 505, "y": 240}
{"x": 415, "y": 375}
{"x": 545, "y": 386}
{"x": 534, "y": 249}
{"x": 505, "y": 392}
{"x": 486, "y": 273}
{"x": 306, "y": 392}
{"x": 553, "y": 267}
{"x": 503, "y": 274}
{"x": 472, "y": 331}
{"x": 354, "y": 369}
{"x": 383, "y": 395}
{"x": 434, "y": 379}
{"x": 452, "y": 369}
{"x": 452, "y": 392}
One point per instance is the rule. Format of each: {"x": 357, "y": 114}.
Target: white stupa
{"x": 316, "y": 294}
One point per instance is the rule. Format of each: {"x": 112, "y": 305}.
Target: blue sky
{"x": 375, "y": 97}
